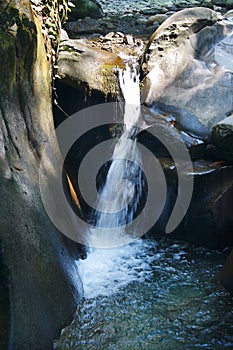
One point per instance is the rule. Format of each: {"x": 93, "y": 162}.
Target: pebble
{"x": 129, "y": 40}
{"x": 160, "y": 18}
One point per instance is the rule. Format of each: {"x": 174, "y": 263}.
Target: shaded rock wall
{"x": 44, "y": 282}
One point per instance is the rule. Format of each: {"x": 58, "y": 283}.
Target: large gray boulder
{"x": 188, "y": 69}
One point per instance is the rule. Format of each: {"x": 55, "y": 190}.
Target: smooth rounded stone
{"x": 87, "y": 25}
{"x": 208, "y": 220}
{"x": 85, "y": 8}
{"x": 160, "y": 18}
{"x": 222, "y": 135}
{"x": 164, "y": 9}
{"x": 197, "y": 85}
{"x": 148, "y": 11}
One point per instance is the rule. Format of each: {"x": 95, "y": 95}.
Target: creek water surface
{"x": 151, "y": 296}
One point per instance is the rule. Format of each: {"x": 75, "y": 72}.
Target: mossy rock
{"x": 85, "y": 8}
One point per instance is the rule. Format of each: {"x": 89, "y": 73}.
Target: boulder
{"x": 85, "y": 8}
{"x": 160, "y": 18}
{"x": 80, "y": 62}
{"x": 188, "y": 70}
{"x": 209, "y": 220}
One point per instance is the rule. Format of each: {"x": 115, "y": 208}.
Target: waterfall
{"x": 120, "y": 194}
{"x": 104, "y": 271}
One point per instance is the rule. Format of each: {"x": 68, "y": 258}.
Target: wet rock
{"x": 226, "y": 274}
{"x": 85, "y": 8}
{"x": 196, "y": 86}
{"x": 164, "y": 124}
{"x": 44, "y": 284}
{"x": 86, "y": 26}
{"x": 208, "y": 221}
{"x": 222, "y": 135}
{"x": 216, "y": 154}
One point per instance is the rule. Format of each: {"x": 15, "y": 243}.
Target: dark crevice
{"x": 9, "y": 132}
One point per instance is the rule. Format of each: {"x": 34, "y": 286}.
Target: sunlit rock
{"x": 80, "y": 62}
{"x": 188, "y": 69}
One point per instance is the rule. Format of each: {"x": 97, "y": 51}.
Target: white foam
{"x": 105, "y": 271}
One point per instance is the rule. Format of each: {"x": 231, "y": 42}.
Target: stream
{"x": 147, "y": 294}
{"x": 151, "y": 296}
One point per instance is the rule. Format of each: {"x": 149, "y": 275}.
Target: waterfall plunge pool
{"x": 151, "y": 296}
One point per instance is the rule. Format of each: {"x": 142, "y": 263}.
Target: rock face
{"x": 188, "y": 69}
{"x": 80, "y": 62}
{"x": 208, "y": 221}
{"x": 43, "y": 279}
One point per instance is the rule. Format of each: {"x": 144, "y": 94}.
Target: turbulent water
{"x": 121, "y": 191}
{"x": 151, "y": 296}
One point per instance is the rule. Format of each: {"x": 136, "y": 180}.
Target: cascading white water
{"x": 121, "y": 192}
{"x": 105, "y": 270}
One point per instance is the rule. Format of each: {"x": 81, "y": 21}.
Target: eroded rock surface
{"x": 189, "y": 71}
